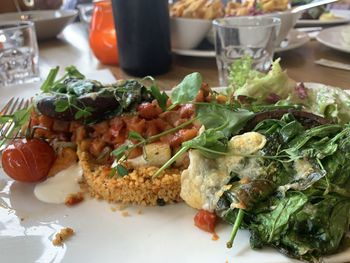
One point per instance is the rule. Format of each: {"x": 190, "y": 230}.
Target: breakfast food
{"x": 209, "y": 9}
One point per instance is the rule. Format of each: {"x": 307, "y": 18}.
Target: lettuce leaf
{"x": 275, "y": 87}
{"x": 261, "y": 86}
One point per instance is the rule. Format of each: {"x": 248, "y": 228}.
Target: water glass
{"x": 236, "y": 37}
{"x": 18, "y": 53}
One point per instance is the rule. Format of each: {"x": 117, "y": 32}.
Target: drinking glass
{"x": 236, "y": 37}
{"x": 18, "y": 53}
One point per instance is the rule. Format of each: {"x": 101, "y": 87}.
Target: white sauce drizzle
{"x": 55, "y": 189}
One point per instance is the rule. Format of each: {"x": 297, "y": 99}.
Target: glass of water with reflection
{"x": 236, "y": 37}
{"x": 18, "y": 53}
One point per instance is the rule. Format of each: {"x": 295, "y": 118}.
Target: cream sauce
{"x": 56, "y": 189}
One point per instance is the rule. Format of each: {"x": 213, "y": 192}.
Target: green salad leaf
{"x": 187, "y": 90}
{"x": 261, "y": 86}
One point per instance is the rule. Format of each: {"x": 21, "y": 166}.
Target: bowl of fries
{"x": 191, "y": 21}
{"x": 190, "y": 18}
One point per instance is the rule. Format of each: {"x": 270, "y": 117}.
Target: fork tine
{"x": 7, "y": 110}
{"x": 6, "y": 107}
{"x": 6, "y": 130}
{"x": 17, "y": 106}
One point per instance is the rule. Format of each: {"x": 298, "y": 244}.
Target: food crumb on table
{"x": 139, "y": 212}
{"x": 62, "y": 236}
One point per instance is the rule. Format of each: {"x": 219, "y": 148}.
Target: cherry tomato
{"x": 205, "y": 220}
{"x": 28, "y": 160}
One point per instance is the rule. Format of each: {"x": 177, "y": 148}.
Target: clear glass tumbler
{"x": 18, "y": 53}
{"x": 236, "y": 37}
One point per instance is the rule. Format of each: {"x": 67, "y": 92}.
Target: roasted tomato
{"x": 149, "y": 110}
{"x": 205, "y": 221}
{"x": 28, "y": 160}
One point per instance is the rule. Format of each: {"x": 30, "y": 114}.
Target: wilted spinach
{"x": 304, "y": 209}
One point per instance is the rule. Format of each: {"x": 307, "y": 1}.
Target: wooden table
{"x": 72, "y": 48}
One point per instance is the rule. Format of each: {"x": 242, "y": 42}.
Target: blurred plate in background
{"x": 48, "y": 23}
{"x": 336, "y": 37}
{"x": 343, "y": 16}
{"x": 294, "y": 40}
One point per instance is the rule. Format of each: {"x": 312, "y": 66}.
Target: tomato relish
{"x": 103, "y": 137}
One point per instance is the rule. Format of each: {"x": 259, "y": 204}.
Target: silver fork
{"x": 7, "y": 131}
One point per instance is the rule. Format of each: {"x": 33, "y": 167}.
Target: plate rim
{"x": 325, "y": 42}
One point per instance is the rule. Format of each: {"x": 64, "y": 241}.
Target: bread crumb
{"x": 74, "y": 199}
{"x": 63, "y": 235}
{"x": 139, "y": 212}
{"x": 125, "y": 213}
{"x": 113, "y": 208}
{"x": 122, "y": 207}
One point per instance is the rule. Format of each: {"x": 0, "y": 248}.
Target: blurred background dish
{"x": 189, "y": 18}
{"x": 294, "y": 39}
{"x": 48, "y": 23}
{"x": 187, "y": 33}
{"x": 328, "y": 18}
{"x": 336, "y": 37}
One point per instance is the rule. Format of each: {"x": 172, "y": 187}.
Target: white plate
{"x": 294, "y": 40}
{"x": 159, "y": 234}
{"x": 336, "y": 37}
{"x": 48, "y": 23}
{"x": 343, "y": 17}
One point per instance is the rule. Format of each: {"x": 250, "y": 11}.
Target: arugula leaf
{"x": 229, "y": 121}
{"x": 162, "y": 98}
{"x": 50, "y": 80}
{"x": 187, "y": 90}
{"x": 211, "y": 143}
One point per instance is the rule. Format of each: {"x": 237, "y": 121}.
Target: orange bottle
{"x": 103, "y": 39}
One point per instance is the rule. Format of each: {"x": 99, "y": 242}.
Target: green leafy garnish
{"x": 121, "y": 170}
{"x": 187, "y": 90}
{"x": 223, "y": 117}
{"x": 50, "y": 80}
{"x": 17, "y": 121}
{"x": 136, "y": 136}
{"x": 161, "y": 97}
{"x": 121, "y": 153}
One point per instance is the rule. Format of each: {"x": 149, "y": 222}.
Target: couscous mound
{"x": 138, "y": 187}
